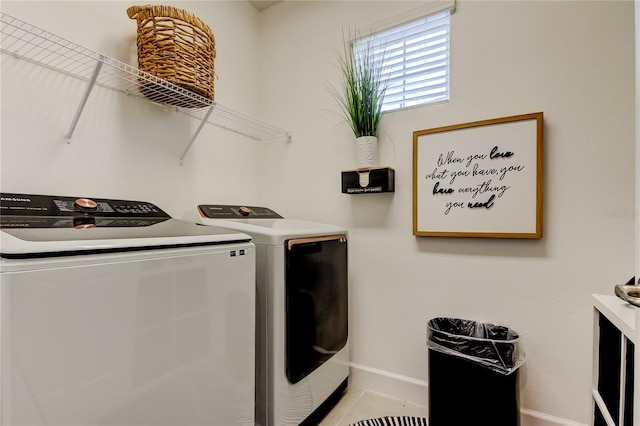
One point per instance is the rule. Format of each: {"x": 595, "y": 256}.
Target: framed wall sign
{"x": 479, "y": 179}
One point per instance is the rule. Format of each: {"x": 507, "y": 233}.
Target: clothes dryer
{"x": 113, "y": 313}
{"x": 302, "y": 364}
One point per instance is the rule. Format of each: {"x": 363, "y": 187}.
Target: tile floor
{"x": 358, "y": 404}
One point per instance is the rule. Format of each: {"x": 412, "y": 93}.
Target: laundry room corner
{"x": 507, "y": 58}
{"x": 265, "y": 158}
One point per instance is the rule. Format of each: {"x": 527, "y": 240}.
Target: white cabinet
{"x": 25, "y": 41}
{"x": 616, "y": 362}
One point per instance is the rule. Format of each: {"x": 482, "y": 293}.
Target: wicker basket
{"x": 176, "y": 46}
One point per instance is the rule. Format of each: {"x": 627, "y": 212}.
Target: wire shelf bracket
{"x": 28, "y": 42}
{"x": 83, "y": 102}
{"x": 195, "y": 135}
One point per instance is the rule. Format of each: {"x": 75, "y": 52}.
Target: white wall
{"x": 572, "y": 60}
{"x": 125, "y": 147}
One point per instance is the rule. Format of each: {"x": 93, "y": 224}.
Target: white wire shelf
{"x": 34, "y": 44}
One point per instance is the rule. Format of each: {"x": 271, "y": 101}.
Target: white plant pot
{"x": 367, "y": 151}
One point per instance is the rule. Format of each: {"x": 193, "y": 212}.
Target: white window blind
{"x": 415, "y": 58}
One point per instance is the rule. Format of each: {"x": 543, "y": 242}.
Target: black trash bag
{"x": 492, "y": 346}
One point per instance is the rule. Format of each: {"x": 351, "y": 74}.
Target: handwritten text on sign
{"x": 450, "y": 167}
{"x": 479, "y": 179}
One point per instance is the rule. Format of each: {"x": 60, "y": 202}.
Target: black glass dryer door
{"x": 316, "y": 302}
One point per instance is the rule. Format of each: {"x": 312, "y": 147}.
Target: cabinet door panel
{"x": 609, "y": 367}
{"x": 628, "y": 390}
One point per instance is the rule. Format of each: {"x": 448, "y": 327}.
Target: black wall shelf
{"x": 368, "y": 180}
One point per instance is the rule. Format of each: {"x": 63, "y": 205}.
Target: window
{"x": 415, "y": 58}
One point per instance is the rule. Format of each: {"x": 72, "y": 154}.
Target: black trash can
{"x": 473, "y": 373}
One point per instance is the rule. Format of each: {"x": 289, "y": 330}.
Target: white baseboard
{"x": 416, "y": 392}
{"x": 386, "y": 383}
{"x": 536, "y": 418}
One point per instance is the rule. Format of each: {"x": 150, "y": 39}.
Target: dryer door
{"x": 316, "y": 302}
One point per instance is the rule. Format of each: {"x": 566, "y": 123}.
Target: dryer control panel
{"x": 215, "y": 211}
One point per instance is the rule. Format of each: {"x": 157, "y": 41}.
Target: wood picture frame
{"x": 479, "y": 179}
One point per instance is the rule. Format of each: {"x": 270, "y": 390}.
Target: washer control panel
{"x": 216, "y": 211}
{"x": 49, "y": 205}
{"x": 48, "y": 211}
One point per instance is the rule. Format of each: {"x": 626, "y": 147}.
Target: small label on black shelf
{"x": 362, "y": 190}
{"x": 377, "y": 180}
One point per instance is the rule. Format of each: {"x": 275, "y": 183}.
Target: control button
{"x": 85, "y": 204}
{"x": 245, "y": 211}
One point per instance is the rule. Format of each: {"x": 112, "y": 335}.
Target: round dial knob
{"x": 245, "y": 211}
{"x": 85, "y": 204}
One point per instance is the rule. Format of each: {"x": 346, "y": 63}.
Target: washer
{"x": 113, "y": 313}
{"x": 302, "y": 364}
